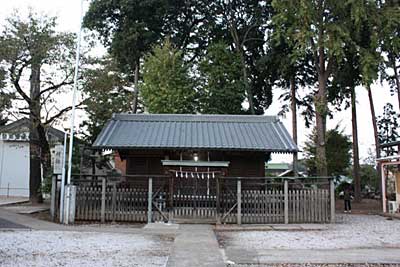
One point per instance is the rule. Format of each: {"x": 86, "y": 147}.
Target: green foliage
{"x": 369, "y": 177}
{"x": 338, "y": 152}
{"x": 5, "y": 97}
{"x": 127, "y": 28}
{"x": 167, "y": 86}
{"x": 105, "y": 93}
{"x": 222, "y": 88}
{"x": 388, "y": 125}
{"x": 33, "y": 41}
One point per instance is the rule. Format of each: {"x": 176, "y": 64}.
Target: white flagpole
{"x": 71, "y": 139}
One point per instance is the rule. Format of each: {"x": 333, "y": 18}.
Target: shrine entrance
{"x": 194, "y": 190}
{"x": 194, "y": 196}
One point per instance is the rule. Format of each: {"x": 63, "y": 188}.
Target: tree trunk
{"x": 356, "y": 158}
{"x": 397, "y": 79}
{"x": 294, "y": 121}
{"x": 248, "y": 90}
{"x": 374, "y": 123}
{"x": 320, "y": 103}
{"x": 375, "y": 128}
{"x": 35, "y": 172}
{"x": 136, "y": 85}
{"x": 45, "y": 158}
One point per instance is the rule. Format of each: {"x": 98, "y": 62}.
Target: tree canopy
{"x": 167, "y": 86}
{"x": 222, "y": 90}
{"x": 338, "y": 152}
{"x": 32, "y": 48}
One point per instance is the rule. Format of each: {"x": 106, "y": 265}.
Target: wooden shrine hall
{"x": 196, "y": 168}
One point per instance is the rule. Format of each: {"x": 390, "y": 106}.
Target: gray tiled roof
{"x": 224, "y": 132}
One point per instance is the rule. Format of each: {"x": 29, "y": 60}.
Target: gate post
{"x": 286, "y": 199}
{"x": 218, "y": 200}
{"x": 332, "y": 196}
{"x": 103, "y": 200}
{"x": 53, "y": 197}
{"x": 150, "y": 200}
{"x": 114, "y": 201}
{"x": 239, "y": 202}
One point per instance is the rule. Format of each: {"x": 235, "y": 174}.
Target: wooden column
{"x": 332, "y": 196}
{"x": 286, "y": 199}
{"x": 218, "y": 201}
{"x": 239, "y": 202}
{"x": 150, "y": 200}
{"x": 114, "y": 201}
{"x": 53, "y": 197}
{"x": 171, "y": 199}
{"x": 103, "y": 200}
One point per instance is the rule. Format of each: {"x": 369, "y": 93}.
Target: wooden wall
{"x": 242, "y": 163}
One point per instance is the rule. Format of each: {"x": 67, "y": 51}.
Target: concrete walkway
{"x": 195, "y": 245}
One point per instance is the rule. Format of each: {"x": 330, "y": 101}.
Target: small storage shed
{"x": 14, "y": 156}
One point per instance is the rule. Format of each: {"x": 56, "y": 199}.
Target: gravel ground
{"x": 315, "y": 265}
{"x": 42, "y": 248}
{"x": 351, "y": 231}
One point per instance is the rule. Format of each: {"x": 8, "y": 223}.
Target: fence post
{"x": 150, "y": 200}
{"x": 53, "y": 197}
{"x": 286, "y": 197}
{"x": 114, "y": 201}
{"x": 332, "y": 196}
{"x": 103, "y": 200}
{"x": 218, "y": 201}
{"x": 239, "y": 202}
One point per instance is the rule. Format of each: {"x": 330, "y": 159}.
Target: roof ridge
{"x": 196, "y": 118}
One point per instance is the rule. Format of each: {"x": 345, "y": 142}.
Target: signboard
{"x": 58, "y": 159}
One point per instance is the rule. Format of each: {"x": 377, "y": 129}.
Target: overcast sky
{"x": 68, "y": 20}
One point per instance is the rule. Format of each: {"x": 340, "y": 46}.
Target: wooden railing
{"x": 139, "y": 198}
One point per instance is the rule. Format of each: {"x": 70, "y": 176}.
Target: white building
{"x": 14, "y": 156}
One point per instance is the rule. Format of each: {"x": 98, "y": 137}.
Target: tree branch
{"x": 56, "y": 86}
{"x": 60, "y": 113}
{"x": 15, "y": 78}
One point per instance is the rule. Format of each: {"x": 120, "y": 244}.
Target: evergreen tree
{"x": 105, "y": 93}
{"x": 222, "y": 88}
{"x": 167, "y": 86}
{"x": 338, "y": 150}
{"x": 388, "y": 125}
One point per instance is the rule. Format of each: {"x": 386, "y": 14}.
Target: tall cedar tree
{"x": 32, "y": 48}
{"x": 321, "y": 27}
{"x": 167, "y": 86}
{"x": 222, "y": 88}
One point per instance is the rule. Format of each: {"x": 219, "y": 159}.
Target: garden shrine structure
{"x": 199, "y": 168}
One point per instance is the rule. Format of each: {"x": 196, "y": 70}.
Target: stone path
{"x": 195, "y": 245}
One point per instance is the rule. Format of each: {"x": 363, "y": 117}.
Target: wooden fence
{"x": 240, "y": 200}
